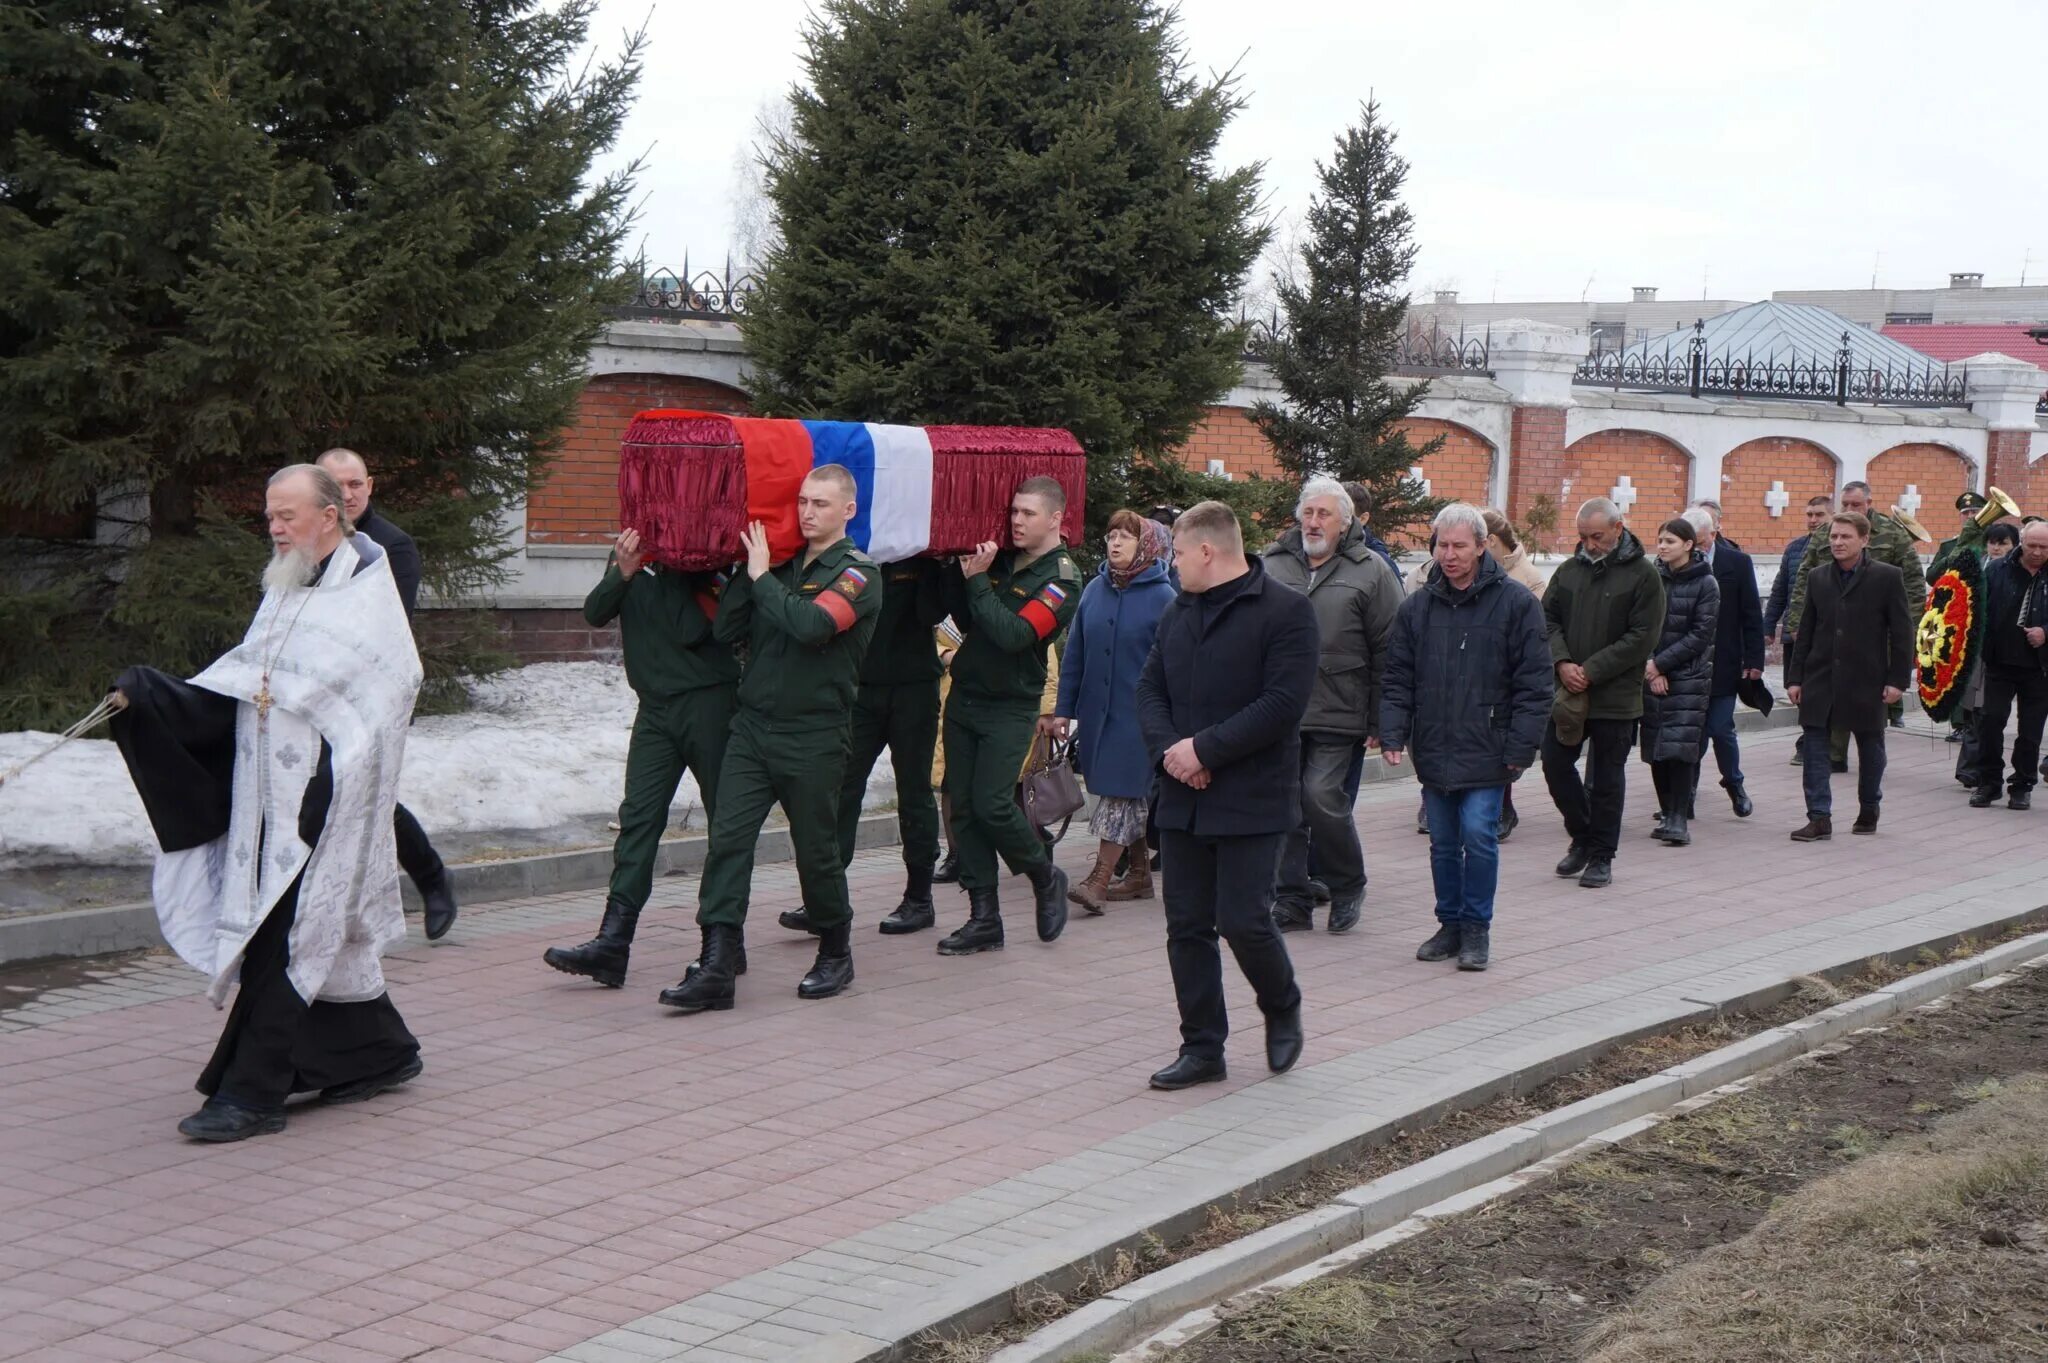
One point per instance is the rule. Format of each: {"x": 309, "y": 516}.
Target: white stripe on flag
{"x": 900, "y": 522}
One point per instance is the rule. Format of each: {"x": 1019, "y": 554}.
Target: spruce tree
{"x": 234, "y": 233}
{"x": 1345, "y": 307}
{"x": 995, "y": 212}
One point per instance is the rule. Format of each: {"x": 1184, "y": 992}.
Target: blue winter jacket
{"x": 1469, "y": 682}
{"x": 1107, "y": 643}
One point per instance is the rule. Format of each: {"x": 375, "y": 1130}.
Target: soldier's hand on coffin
{"x": 755, "y": 537}
{"x": 628, "y": 553}
{"x": 980, "y": 560}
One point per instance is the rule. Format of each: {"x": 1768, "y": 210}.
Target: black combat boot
{"x": 602, "y": 958}
{"x": 798, "y": 920}
{"x": 983, "y": 930}
{"x": 833, "y": 970}
{"x": 947, "y": 872}
{"x": 916, "y": 912}
{"x": 707, "y": 986}
{"x": 1049, "y": 886}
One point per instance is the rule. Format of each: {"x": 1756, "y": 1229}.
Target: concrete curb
{"x": 1439, "y": 1186}
{"x": 128, "y": 927}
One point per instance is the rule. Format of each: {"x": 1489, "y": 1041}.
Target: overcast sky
{"x": 1560, "y": 149}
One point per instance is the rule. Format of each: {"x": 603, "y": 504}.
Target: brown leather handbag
{"x": 1050, "y": 790}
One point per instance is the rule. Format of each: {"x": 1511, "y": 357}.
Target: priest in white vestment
{"x": 270, "y": 780}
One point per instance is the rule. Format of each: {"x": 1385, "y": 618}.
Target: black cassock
{"x": 179, "y": 743}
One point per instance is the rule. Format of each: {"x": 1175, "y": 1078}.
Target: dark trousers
{"x": 276, "y": 1044}
{"x": 905, "y": 719}
{"x": 1354, "y": 775}
{"x": 2002, "y": 688}
{"x": 1326, "y": 824}
{"x": 986, "y": 744}
{"x": 1592, "y": 808}
{"x": 671, "y": 735}
{"x": 1720, "y": 735}
{"x": 1675, "y": 780}
{"x": 1815, "y": 775}
{"x": 765, "y": 767}
{"x": 1221, "y": 886}
{"x": 416, "y": 856}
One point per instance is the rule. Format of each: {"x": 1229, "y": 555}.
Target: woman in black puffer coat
{"x": 1679, "y": 678}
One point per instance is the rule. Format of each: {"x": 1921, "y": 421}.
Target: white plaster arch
{"x": 713, "y": 352}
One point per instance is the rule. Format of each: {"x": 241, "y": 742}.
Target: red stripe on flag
{"x": 1040, "y": 617}
{"x": 838, "y": 607}
{"x": 778, "y": 454}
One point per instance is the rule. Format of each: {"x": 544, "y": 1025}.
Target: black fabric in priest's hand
{"x": 179, "y": 743}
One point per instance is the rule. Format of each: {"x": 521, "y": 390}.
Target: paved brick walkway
{"x": 581, "y": 1174}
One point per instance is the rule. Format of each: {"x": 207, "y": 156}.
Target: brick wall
{"x": 578, "y": 503}
{"x": 1806, "y": 470}
{"x": 1462, "y": 470}
{"x": 1939, "y": 473}
{"x": 2006, "y": 468}
{"x": 1536, "y": 440}
{"x": 530, "y": 635}
{"x": 1226, "y": 433}
{"x": 1658, "y": 470}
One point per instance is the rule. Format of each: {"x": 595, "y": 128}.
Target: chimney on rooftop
{"x": 1646, "y": 293}
{"x": 1965, "y": 279}
{"x": 1446, "y": 297}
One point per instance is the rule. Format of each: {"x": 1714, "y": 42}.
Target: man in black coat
{"x": 1738, "y": 649}
{"x": 1227, "y": 741}
{"x": 415, "y": 853}
{"x": 1852, "y": 658}
{"x": 2015, "y": 667}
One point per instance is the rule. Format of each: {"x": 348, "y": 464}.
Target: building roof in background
{"x": 1780, "y": 332}
{"x": 1953, "y": 341}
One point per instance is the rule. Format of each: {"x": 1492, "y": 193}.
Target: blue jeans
{"x": 1720, "y": 731}
{"x": 1820, "y": 800}
{"x": 1464, "y": 850}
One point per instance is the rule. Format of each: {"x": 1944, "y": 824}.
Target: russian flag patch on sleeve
{"x": 838, "y": 602}
{"x": 1042, "y": 610}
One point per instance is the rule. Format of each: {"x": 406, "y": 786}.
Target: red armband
{"x": 1041, "y": 612}
{"x": 837, "y": 600}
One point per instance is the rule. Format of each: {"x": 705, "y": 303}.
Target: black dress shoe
{"x": 1283, "y": 1040}
{"x": 1441, "y": 947}
{"x": 440, "y": 908}
{"x": 2020, "y": 799}
{"x": 947, "y": 872}
{"x": 1344, "y": 916}
{"x": 1318, "y": 891}
{"x": 1983, "y": 797}
{"x": 1574, "y": 862}
{"x": 1293, "y": 918}
{"x": 1189, "y": 1071}
{"x": 797, "y": 920}
{"x": 1866, "y": 822}
{"x": 1509, "y": 822}
{"x": 359, "y": 1090}
{"x": 1598, "y": 875}
{"x": 912, "y": 915}
{"x": 1739, "y": 798}
{"x": 219, "y": 1121}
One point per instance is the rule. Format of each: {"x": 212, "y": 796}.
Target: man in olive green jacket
{"x": 1890, "y": 543}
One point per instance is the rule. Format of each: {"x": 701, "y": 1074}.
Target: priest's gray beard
{"x": 289, "y": 568}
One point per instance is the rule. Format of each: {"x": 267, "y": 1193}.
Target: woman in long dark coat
{"x": 1678, "y": 681}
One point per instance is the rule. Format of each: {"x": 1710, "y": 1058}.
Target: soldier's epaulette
{"x": 1067, "y": 571}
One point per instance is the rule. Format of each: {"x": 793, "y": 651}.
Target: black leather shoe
{"x": 1675, "y": 833}
{"x": 2020, "y": 799}
{"x": 1344, "y": 916}
{"x": 1866, "y": 822}
{"x": 1818, "y": 828}
{"x": 1574, "y": 861}
{"x": 833, "y": 970}
{"x": 947, "y": 872}
{"x": 1049, "y": 888}
{"x": 603, "y": 958}
{"x": 1739, "y": 798}
{"x": 1598, "y": 875}
{"x": 707, "y": 986}
{"x": 1441, "y": 947}
{"x": 912, "y": 915}
{"x": 1188, "y": 1071}
{"x": 797, "y": 920}
{"x": 1318, "y": 892}
{"x": 983, "y": 930}
{"x": 1983, "y": 797}
{"x": 440, "y": 908}
{"x": 359, "y": 1090}
{"x": 1509, "y": 822}
{"x": 1293, "y": 918}
{"x": 219, "y": 1121}
{"x": 1661, "y": 820}
{"x": 1283, "y": 1040}
{"x": 1475, "y": 948}
{"x": 1955, "y": 735}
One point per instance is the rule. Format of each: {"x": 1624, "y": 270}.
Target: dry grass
{"x": 1930, "y": 1248}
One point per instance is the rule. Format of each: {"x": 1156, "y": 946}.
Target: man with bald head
{"x": 417, "y": 855}
{"x": 2015, "y": 668}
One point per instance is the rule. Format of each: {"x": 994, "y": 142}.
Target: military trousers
{"x": 671, "y": 735}
{"x": 903, "y": 717}
{"x": 986, "y": 744}
{"x": 801, "y": 771}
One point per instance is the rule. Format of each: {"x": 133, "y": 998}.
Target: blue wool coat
{"x": 1107, "y": 643}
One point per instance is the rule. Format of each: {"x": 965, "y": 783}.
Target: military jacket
{"x": 665, "y": 628}
{"x": 1890, "y": 543}
{"x": 913, "y": 601}
{"x": 807, "y": 629}
{"x": 1009, "y": 616}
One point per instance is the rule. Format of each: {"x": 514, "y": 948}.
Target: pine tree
{"x": 1345, "y": 308}
{"x": 1005, "y": 213}
{"x": 234, "y": 233}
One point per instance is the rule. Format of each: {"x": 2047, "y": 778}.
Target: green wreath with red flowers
{"x": 1951, "y": 632}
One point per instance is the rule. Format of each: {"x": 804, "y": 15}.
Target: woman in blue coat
{"x": 1108, "y": 641}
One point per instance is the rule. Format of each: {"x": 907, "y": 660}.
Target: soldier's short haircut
{"x": 1823, "y": 501}
{"x": 1857, "y": 485}
{"x": 1048, "y": 488}
{"x": 1855, "y": 520}
{"x": 342, "y": 453}
{"x": 837, "y": 475}
{"x": 1210, "y": 523}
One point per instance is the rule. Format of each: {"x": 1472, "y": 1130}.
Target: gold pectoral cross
{"x": 262, "y": 699}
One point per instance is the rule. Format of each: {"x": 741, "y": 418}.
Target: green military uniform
{"x": 685, "y": 679}
{"x": 1890, "y": 543}
{"x": 898, "y": 707}
{"x": 1009, "y": 616}
{"x": 806, "y": 627}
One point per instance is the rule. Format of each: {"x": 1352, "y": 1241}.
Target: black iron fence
{"x": 1692, "y": 367}
{"x": 665, "y": 295}
{"x": 1419, "y": 350}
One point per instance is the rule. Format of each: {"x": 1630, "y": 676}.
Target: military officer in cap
{"x": 807, "y": 622}
{"x": 1010, "y": 604}
{"x": 1968, "y": 505}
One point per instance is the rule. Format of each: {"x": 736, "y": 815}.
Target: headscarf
{"x": 1154, "y": 544}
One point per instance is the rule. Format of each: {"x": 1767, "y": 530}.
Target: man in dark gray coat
{"x": 1852, "y": 657}
{"x": 1355, "y": 596}
{"x": 1468, "y": 674}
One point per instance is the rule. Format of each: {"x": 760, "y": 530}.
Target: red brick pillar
{"x": 2003, "y": 391}
{"x": 1533, "y": 363}
{"x": 2006, "y": 466}
{"x": 1536, "y": 457}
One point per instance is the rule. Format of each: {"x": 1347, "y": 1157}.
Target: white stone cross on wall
{"x": 1415, "y": 472}
{"x": 1777, "y": 499}
{"x": 1909, "y": 501}
{"x": 1623, "y": 494}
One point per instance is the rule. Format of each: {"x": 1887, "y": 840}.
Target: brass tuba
{"x": 1913, "y": 527}
{"x": 1997, "y": 506}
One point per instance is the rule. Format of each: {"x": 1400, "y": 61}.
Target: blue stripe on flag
{"x": 848, "y": 443}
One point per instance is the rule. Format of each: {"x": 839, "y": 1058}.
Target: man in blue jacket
{"x": 1469, "y": 675}
{"x": 1228, "y": 744}
{"x": 1738, "y": 649}
{"x": 1818, "y": 509}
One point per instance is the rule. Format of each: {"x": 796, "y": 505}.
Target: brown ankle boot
{"x": 1092, "y": 893}
{"x": 1135, "y": 882}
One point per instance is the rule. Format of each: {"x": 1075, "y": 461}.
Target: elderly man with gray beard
{"x": 1355, "y": 595}
{"x": 269, "y": 780}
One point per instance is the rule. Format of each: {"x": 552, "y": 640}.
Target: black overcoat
{"x": 1854, "y": 641}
